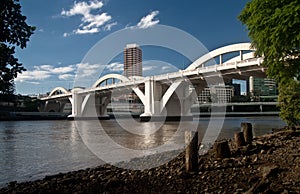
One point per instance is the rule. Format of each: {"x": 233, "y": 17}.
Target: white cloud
{"x": 115, "y": 67}
{"x": 95, "y": 20}
{"x": 86, "y": 70}
{"x": 148, "y": 68}
{"x": 66, "y": 34}
{"x": 35, "y": 83}
{"x": 44, "y": 72}
{"x": 108, "y": 27}
{"x": 59, "y": 70}
{"x": 82, "y": 8}
{"x": 91, "y": 23}
{"x": 66, "y": 77}
{"x": 149, "y": 20}
{"x": 86, "y": 31}
{"x": 56, "y": 70}
{"x": 33, "y": 75}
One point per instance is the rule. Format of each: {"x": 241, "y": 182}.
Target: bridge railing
{"x": 167, "y": 76}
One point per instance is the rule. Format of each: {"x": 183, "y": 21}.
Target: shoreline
{"x": 39, "y": 116}
{"x": 270, "y": 164}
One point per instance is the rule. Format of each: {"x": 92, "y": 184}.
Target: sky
{"x": 67, "y": 30}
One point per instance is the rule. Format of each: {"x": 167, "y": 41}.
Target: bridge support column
{"x": 101, "y": 105}
{"x": 62, "y": 105}
{"x": 250, "y": 86}
{"x": 42, "y": 106}
{"x": 179, "y": 105}
{"x": 151, "y": 106}
{"x": 173, "y": 102}
{"x": 52, "y": 106}
{"x": 89, "y": 106}
{"x": 76, "y": 105}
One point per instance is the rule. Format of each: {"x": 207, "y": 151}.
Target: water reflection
{"x": 141, "y": 135}
{"x": 31, "y": 150}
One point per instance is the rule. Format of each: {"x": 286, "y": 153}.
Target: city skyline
{"x": 67, "y": 30}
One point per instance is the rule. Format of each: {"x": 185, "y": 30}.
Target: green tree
{"x": 274, "y": 28}
{"x": 31, "y": 105}
{"x": 290, "y": 95}
{"x": 14, "y": 31}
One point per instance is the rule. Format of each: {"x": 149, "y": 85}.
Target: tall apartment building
{"x": 132, "y": 60}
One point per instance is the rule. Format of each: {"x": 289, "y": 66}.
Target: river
{"x": 30, "y": 150}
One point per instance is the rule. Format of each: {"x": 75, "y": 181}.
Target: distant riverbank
{"x": 270, "y": 164}
{"x": 234, "y": 109}
{"x": 25, "y": 116}
{"x": 17, "y": 116}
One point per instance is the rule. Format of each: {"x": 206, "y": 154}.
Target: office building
{"x": 132, "y": 60}
{"x": 216, "y": 94}
{"x": 262, "y": 87}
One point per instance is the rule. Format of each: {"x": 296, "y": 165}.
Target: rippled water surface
{"x": 30, "y": 150}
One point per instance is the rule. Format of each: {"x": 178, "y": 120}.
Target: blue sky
{"x": 67, "y": 30}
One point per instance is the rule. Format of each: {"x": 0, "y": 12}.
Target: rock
{"x": 263, "y": 151}
{"x": 270, "y": 151}
{"x": 269, "y": 170}
{"x": 255, "y": 159}
{"x": 113, "y": 182}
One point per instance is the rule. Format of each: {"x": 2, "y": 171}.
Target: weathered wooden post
{"x": 239, "y": 139}
{"x": 191, "y": 152}
{"x": 247, "y": 130}
{"x": 222, "y": 149}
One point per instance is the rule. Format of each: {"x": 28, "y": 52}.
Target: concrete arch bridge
{"x": 170, "y": 94}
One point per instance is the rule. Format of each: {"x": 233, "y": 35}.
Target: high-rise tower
{"x": 132, "y": 60}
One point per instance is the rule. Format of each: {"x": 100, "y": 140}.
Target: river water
{"x": 29, "y": 150}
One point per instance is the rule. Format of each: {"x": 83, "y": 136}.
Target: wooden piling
{"x": 191, "y": 152}
{"x": 246, "y": 128}
{"x": 222, "y": 149}
{"x": 239, "y": 139}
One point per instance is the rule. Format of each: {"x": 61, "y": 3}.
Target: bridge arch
{"x": 55, "y": 105}
{"x": 110, "y": 76}
{"x": 57, "y": 89}
{"x": 170, "y": 91}
{"x": 219, "y": 51}
{"x": 123, "y": 78}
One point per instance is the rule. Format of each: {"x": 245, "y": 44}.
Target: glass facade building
{"x": 262, "y": 87}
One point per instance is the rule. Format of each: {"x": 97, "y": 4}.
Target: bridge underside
{"x": 169, "y": 99}
{"x": 58, "y": 105}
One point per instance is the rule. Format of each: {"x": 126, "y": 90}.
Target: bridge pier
{"x": 101, "y": 104}
{"x": 153, "y": 93}
{"x": 167, "y": 102}
{"x": 89, "y": 106}
{"x": 42, "y": 106}
{"x": 53, "y": 106}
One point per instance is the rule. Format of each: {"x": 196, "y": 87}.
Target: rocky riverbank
{"x": 271, "y": 164}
